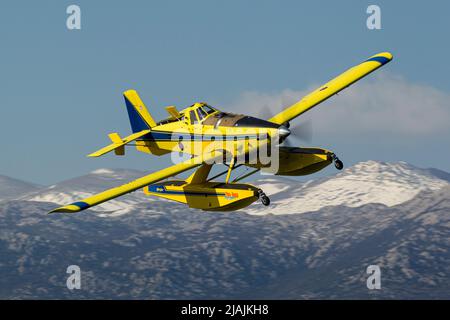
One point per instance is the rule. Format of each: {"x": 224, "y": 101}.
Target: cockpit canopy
{"x": 202, "y": 113}
{"x": 199, "y": 112}
{"x": 207, "y": 115}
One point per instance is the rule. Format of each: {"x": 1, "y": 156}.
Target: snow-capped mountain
{"x": 11, "y": 188}
{"x": 163, "y": 250}
{"x": 99, "y": 180}
{"x": 366, "y": 182}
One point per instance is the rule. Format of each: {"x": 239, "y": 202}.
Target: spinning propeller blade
{"x": 300, "y": 131}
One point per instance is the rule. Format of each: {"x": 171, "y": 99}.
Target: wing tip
{"x": 73, "y": 207}
{"x": 93, "y": 155}
{"x": 382, "y": 57}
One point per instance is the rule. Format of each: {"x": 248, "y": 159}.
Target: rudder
{"x": 140, "y": 118}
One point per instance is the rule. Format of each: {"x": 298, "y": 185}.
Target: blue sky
{"x": 62, "y": 89}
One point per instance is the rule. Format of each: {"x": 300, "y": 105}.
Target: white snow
{"x": 59, "y": 197}
{"x": 272, "y": 186}
{"x": 366, "y": 182}
{"x": 103, "y": 171}
{"x": 114, "y": 207}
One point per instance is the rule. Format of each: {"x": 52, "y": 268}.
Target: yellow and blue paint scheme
{"x": 209, "y": 135}
{"x": 208, "y": 196}
{"x": 194, "y": 134}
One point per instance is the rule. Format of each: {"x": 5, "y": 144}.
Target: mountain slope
{"x": 409, "y": 242}
{"x": 164, "y": 251}
{"x": 11, "y": 188}
{"x": 72, "y": 190}
{"x": 366, "y": 182}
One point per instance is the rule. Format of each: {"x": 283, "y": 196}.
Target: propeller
{"x": 300, "y": 131}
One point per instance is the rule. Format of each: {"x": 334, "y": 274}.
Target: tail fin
{"x": 140, "y": 118}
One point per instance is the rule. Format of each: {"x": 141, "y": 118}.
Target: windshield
{"x": 208, "y": 109}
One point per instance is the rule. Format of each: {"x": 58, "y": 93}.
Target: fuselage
{"x": 196, "y": 131}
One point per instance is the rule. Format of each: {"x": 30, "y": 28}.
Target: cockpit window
{"x": 208, "y": 109}
{"x": 201, "y": 114}
{"x": 193, "y": 117}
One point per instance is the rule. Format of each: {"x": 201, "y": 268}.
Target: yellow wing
{"x": 332, "y": 87}
{"x": 211, "y": 158}
{"x": 133, "y": 185}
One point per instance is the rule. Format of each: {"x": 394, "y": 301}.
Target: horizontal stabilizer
{"x": 118, "y": 143}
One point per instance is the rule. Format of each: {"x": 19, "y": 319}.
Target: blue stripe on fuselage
{"x": 177, "y": 136}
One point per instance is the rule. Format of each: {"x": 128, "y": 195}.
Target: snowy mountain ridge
{"x": 366, "y": 182}
{"x": 153, "y": 249}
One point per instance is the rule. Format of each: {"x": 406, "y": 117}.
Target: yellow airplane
{"x": 207, "y": 136}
